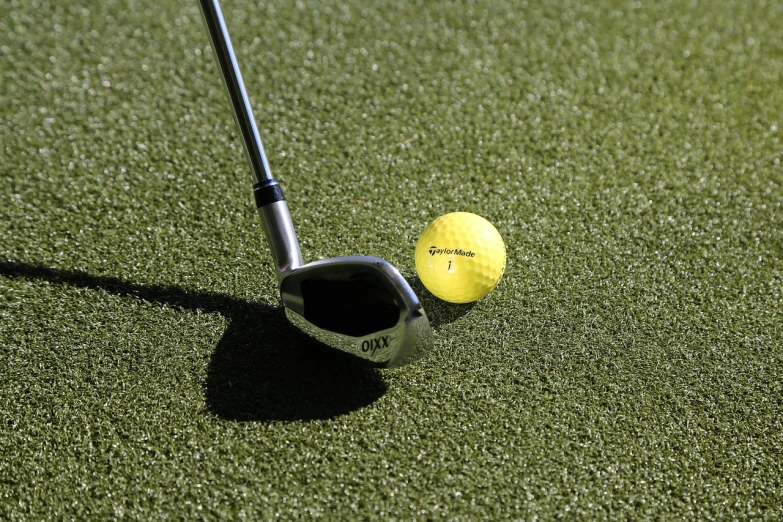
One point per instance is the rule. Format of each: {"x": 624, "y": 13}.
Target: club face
{"x": 359, "y": 305}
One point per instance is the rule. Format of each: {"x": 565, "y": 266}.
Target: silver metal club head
{"x": 359, "y": 305}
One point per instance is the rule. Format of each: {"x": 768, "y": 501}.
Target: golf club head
{"x": 359, "y": 305}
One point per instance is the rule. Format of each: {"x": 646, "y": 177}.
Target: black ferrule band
{"x": 267, "y": 192}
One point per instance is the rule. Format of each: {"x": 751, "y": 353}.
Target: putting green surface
{"x": 629, "y": 365}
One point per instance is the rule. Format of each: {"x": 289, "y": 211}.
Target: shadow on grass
{"x": 439, "y": 312}
{"x": 262, "y": 369}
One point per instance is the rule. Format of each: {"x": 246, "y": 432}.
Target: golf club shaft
{"x": 272, "y": 208}
{"x": 235, "y": 88}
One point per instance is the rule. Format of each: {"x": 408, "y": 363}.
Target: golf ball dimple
{"x": 460, "y": 257}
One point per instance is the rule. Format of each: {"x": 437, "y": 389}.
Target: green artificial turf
{"x": 629, "y": 365}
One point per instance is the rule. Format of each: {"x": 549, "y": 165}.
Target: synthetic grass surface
{"x": 630, "y": 364}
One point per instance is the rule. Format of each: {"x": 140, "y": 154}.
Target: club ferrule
{"x": 267, "y": 192}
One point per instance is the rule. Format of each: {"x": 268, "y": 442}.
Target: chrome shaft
{"x": 272, "y": 208}
{"x": 235, "y": 87}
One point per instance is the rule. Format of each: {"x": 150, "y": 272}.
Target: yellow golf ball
{"x": 460, "y": 257}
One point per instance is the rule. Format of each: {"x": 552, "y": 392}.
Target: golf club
{"x": 359, "y": 305}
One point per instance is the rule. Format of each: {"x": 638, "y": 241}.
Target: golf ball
{"x": 460, "y": 257}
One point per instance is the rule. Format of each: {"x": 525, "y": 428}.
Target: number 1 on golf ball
{"x": 460, "y": 257}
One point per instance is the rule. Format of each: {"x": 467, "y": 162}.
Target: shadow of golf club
{"x": 262, "y": 369}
